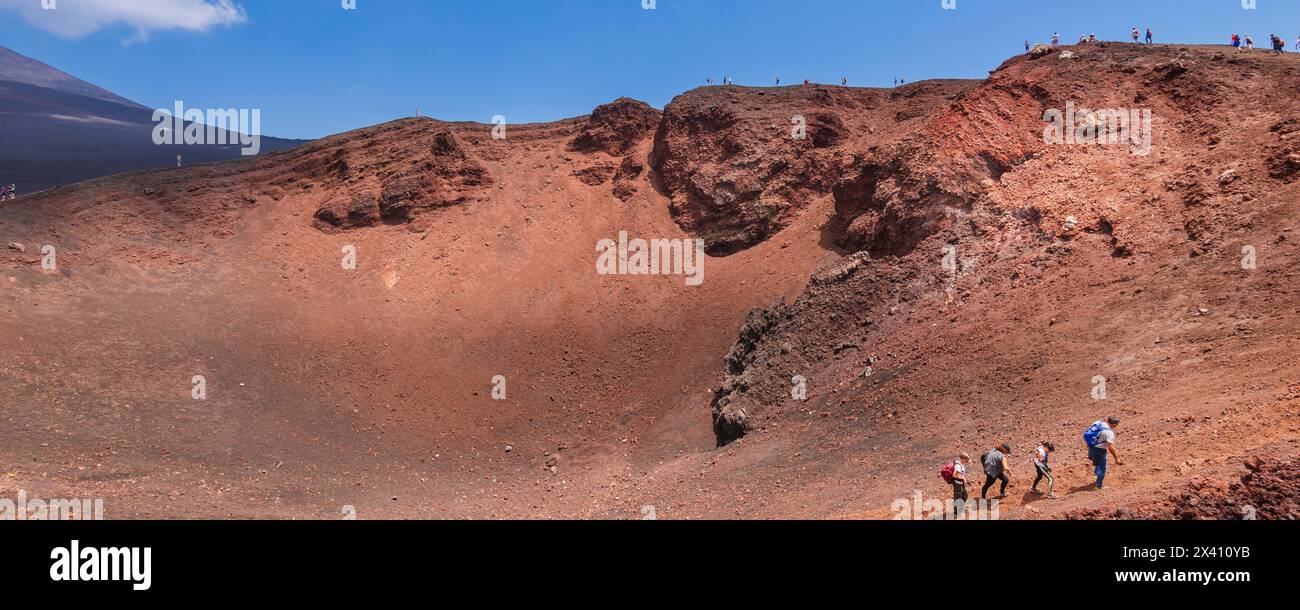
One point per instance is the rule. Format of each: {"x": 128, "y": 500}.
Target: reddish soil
{"x": 373, "y": 388}
{"x": 1268, "y": 489}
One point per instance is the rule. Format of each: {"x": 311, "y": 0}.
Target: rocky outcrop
{"x": 740, "y": 165}
{"x": 730, "y": 422}
{"x": 1269, "y": 490}
{"x": 737, "y": 176}
{"x": 350, "y": 211}
{"x": 615, "y": 128}
{"x": 439, "y": 172}
{"x": 626, "y": 179}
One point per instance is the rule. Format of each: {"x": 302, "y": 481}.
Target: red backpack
{"x": 947, "y": 471}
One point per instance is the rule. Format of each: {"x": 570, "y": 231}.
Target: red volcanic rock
{"x": 595, "y": 175}
{"x": 1269, "y": 490}
{"x": 627, "y": 178}
{"x": 350, "y": 212}
{"x": 742, "y": 164}
{"x": 438, "y": 174}
{"x": 616, "y": 127}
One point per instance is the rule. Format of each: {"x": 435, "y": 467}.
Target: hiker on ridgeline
{"x": 996, "y": 469}
{"x": 1249, "y": 43}
{"x": 178, "y": 159}
{"x": 1136, "y": 35}
{"x": 954, "y": 473}
{"x": 844, "y": 82}
{"x": 1279, "y": 45}
{"x": 778, "y": 81}
{"x": 1092, "y": 38}
{"x": 1100, "y": 438}
{"x": 1297, "y": 43}
{"x": 7, "y": 192}
{"x": 1236, "y": 42}
{"x": 1150, "y": 36}
{"x": 1026, "y": 46}
{"x": 1056, "y": 39}
{"x": 1083, "y": 39}
{"x": 1041, "y": 457}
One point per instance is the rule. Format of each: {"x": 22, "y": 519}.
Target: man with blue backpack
{"x": 1100, "y": 438}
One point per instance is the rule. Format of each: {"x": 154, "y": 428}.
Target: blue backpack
{"x": 1090, "y": 435}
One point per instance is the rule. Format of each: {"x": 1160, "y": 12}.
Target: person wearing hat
{"x": 1103, "y": 443}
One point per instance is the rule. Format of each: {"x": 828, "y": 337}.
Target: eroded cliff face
{"x": 739, "y": 164}
{"x": 974, "y": 218}
{"x": 435, "y": 171}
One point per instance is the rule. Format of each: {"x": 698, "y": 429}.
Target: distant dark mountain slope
{"x": 56, "y": 129}
{"x": 23, "y": 69}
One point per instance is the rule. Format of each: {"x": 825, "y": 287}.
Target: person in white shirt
{"x": 1041, "y": 457}
{"x": 1097, "y": 453}
{"x": 959, "y": 494}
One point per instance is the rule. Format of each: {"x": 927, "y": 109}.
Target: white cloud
{"x": 77, "y": 18}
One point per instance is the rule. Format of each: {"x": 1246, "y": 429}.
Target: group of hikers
{"x": 726, "y": 80}
{"x": 1241, "y": 43}
{"x": 1246, "y": 43}
{"x": 1099, "y": 438}
{"x": 1092, "y": 38}
{"x": 8, "y": 192}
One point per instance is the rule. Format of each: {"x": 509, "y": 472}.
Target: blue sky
{"x": 315, "y": 69}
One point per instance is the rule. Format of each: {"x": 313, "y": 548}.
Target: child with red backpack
{"x": 954, "y": 473}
